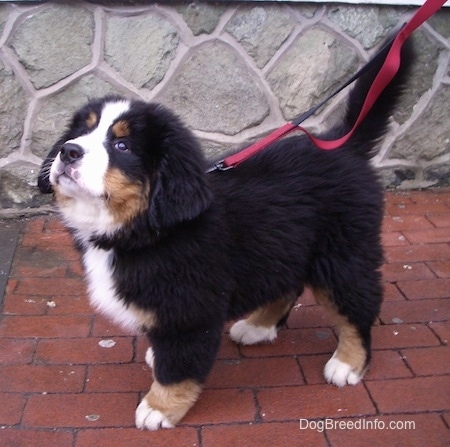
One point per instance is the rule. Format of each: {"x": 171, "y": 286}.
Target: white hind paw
{"x": 248, "y": 334}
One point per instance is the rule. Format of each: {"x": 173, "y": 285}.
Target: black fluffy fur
{"x": 213, "y": 247}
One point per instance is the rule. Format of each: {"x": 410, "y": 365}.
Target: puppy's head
{"x": 121, "y": 161}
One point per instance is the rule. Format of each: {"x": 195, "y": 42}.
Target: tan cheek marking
{"x": 175, "y": 400}
{"x": 350, "y": 348}
{"x": 92, "y": 120}
{"x": 126, "y": 198}
{"x": 121, "y": 129}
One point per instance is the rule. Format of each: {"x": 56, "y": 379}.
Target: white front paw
{"x": 149, "y": 418}
{"x": 150, "y": 357}
{"x": 340, "y": 373}
{"x": 248, "y": 334}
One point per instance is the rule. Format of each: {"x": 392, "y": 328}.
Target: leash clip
{"x": 219, "y": 166}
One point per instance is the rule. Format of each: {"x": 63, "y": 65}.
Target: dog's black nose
{"x": 70, "y": 153}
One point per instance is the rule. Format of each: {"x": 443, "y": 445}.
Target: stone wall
{"x": 232, "y": 70}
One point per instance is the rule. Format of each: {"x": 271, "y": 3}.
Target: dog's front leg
{"x": 180, "y": 365}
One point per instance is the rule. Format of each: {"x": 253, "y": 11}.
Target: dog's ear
{"x": 177, "y": 195}
{"x": 179, "y": 186}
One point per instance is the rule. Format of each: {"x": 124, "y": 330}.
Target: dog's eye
{"x": 121, "y": 146}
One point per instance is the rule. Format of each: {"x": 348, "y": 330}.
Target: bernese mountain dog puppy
{"x": 177, "y": 252}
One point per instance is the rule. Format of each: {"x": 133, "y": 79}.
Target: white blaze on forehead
{"x": 95, "y": 139}
{"x": 94, "y": 164}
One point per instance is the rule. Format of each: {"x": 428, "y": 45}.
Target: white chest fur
{"x": 102, "y": 290}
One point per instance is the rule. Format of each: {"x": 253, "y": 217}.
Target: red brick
{"x": 387, "y": 365}
{"x": 11, "y": 285}
{"x": 391, "y": 293}
{"x": 442, "y": 330}
{"x": 121, "y": 437}
{"x": 10, "y": 409}
{"x": 440, "y": 220}
{"x": 84, "y": 350}
{"x": 312, "y": 367}
{"x": 424, "y": 208}
{"x": 228, "y": 349}
{"x": 47, "y": 239}
{"x": 54, "y": 224}
{"x": 50, "y": 287}
{"x": 70, "y": 305}
{"x": 406, "y": 271}
{"x": 309, "y": 316}
{"x": 102, "y": 327}
{"x": 42, "y": 378}
{"x": 398, "y": 197}
{"x": 45, "y": 326}
{"x": 10, "y": 437}
{"x": 395, "y": 336}
{"x": 431, "y": 236}
{"x": 314, "y": 401}
{"x": 417, "y": 311}
{"x": 440, "y": 268}
{"x": 261, "y": 435}
{"x": 70, "y": 410}
{"x": 16, "y": 351}
{"x": 222, "y": 406}
{"x": 293, "y": 342}
{"x": 426, "y": 288}
{"x": 46, "y": 305}
{"x": 428, "y": 431}
{"x": 307, "y": 298}
{"x": 24, "y": 305}
{"x": 410, "y": 395}
{"x": 415, "y": 253}
{"x": 428, "y": 361}
{"x": 438, "y": 195}
{"x": 393, "y": 238}
{"x": 446, "y": 418}
{"x": 404, "y": 222}
{"x": 36, "y": 270}
{"x": 118, "y": 378}
{"x": 35, "y": 225}
{"x": 254, "y": 372}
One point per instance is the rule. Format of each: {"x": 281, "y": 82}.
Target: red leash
{"x": 383, "y": 78}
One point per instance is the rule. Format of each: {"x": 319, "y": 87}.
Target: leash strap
{"x": 384, "y": 77}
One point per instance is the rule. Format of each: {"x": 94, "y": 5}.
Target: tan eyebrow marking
{"x": 92, "y": 120}
{"x": 121, "y": 129}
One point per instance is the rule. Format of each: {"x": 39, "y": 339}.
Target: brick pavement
{"x": 60, "y": 387}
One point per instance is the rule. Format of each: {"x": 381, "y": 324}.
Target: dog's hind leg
{"x": 350, "y": 360}
{"x": 262, "y": 324}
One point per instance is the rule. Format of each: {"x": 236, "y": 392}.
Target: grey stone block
{"x": 13, "y": 110}
{"x": 214, "y": 91}
{"x": 298, "y": 83}
{"x": 261, "y": 31}
{"x": 202, "y": 19}
{"x": 54, "y": 43}
{"x": 429, "y": 136}
{"x": 18, "y": 183}
{"x": 140, "y": 48}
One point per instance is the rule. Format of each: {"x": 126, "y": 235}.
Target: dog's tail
{"x": 365, "y": 138}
